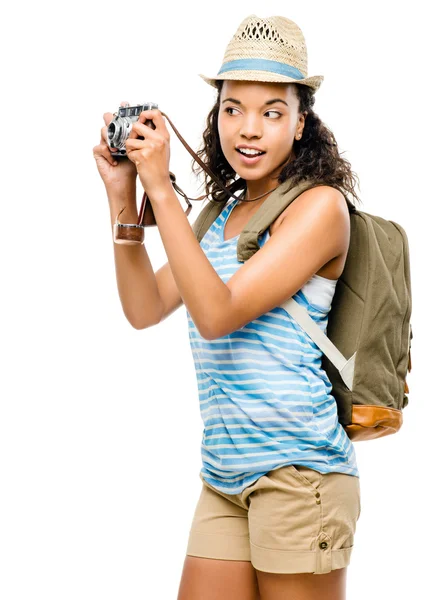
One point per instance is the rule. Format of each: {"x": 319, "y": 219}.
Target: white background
{"x": 100, "y": 427}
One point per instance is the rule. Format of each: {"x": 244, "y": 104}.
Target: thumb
{"x": 108, "y": 116}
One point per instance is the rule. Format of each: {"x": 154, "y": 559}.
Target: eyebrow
{"x": 265, "y": 103}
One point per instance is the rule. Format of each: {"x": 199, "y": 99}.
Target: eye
{"x": 269, "y": 111}
{"x": 275, "y": 112}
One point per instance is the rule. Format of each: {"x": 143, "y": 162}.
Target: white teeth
{"x": 249, "y": 151}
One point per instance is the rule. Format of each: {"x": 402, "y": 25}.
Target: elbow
{"x": 207, "y": 335}
{"x": 143, "y": 319}
{"x": 226, "y": 328}
{"x": 139, "y": 324}
{"x": 218, "y": 327}
{"x": 210, "y": 331}
{"x": 207, "y": 331}
{"x": 219, "y": 321}
{"x": 134, "y": 323}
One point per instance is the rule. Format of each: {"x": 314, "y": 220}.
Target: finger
{"x": 104, "y": 138}
{"x": 104, "y": 134}
{"x": 101, "y": 151}
{"x": 132, "y": 155}
{"x": 154, "y": 115}
{"x": 147, "y": 132}
{"x": 137, "y": 129}
{"x": 134, "y": 144}
{"x": 107, "y": 117}
{"x": 111, "y": 159}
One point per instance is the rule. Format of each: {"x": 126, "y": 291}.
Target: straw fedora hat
{"x": 266, "y": 49}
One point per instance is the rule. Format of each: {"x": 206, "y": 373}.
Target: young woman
{"x": 280, "y": 486}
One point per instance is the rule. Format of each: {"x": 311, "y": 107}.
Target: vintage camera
{"x": 120, "y": 126}
{"x": 117, "y": 134}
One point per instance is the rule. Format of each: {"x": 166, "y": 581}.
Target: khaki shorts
{"x": 291, "y": 520}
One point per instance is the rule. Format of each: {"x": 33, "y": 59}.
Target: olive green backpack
{"x": 366, "y": 348}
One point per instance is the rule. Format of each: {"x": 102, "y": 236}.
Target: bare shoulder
{"x": 330, "y": 203}
{"x": 323, "y": 195}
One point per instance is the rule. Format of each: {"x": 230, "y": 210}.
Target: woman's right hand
{"x": 118, "y": 177}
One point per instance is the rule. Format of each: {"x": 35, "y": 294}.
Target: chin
{"x": 251, "y": 175}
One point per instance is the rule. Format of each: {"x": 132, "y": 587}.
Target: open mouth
{"x": 250, "y": 155}
{"x": 250, "y": 159}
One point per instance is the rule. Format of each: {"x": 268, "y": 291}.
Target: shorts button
{"x": 323, "y": 545}
{"x": 318, "y": 501}
{"x": 317, "y": 495}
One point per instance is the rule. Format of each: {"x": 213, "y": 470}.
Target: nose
{"x": 251, "y": 127}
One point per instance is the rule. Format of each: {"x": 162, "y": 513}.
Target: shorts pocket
{"x": 309, "y": 477}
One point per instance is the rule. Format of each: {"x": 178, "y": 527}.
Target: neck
{"x": 256, "y": 188}
{"x": 260, "y": 187}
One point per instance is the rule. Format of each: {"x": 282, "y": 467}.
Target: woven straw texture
{"x": 272, "y": 39}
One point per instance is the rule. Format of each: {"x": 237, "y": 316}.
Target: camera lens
{"x": 111, "y": 130}
{"x": 115, "y": 136}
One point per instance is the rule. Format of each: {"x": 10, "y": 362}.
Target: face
{"x": 247, "y": 118}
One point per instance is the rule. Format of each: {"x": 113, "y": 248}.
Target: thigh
{"x": 219, "y": 527}
{"x": 211, "y": 579}
{"x": 217, "y": 562}
{"x": 303, "y": 586}
{"x": 302, "y": 521}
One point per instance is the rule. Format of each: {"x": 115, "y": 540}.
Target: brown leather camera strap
{"x": 206, "y": 168}
{"x": 146, "y": 215}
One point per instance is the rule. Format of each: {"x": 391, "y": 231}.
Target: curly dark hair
{"x": 317, "y": 157}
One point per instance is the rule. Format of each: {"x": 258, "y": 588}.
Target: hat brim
{"x": 313, "y": 82}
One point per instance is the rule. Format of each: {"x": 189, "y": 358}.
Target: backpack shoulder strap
{"x": 275, "y": 204}
{"x": 268, "y": 212}
{"x": 213, "y": 208}
{"x": 206, "y": 217}
{"x": 302, "y": 317}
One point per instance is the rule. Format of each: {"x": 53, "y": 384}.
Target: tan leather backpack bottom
{"x": 369, "y": 422}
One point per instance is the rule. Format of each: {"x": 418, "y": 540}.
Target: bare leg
{"x": 302, "y": 586}
{"x": 212, "y": 579}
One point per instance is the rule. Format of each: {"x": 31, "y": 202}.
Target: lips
{"x": 239, "y": 150}
{"x": 249, "y": 160}
{"x": 248, "y": 147}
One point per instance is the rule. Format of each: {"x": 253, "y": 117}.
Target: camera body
{"x": 121, "y": 125}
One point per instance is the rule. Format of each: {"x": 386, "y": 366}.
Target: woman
{"x": 280, "y": 486}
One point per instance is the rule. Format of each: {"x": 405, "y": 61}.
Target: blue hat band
{"x": 261, "y": 64}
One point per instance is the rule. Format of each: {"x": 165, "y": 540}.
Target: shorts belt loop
{"x": 323, "y": 553}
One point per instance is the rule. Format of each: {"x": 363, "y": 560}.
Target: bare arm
{"x": 147, "y": 298}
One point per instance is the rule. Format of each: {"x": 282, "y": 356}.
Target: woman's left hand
{"x": 151, "y": 155}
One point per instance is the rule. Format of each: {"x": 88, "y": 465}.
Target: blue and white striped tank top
{"x": 265, "y": 400}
